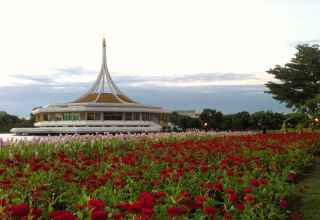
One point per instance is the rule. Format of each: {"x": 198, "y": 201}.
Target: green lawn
{"x": 307, "y": 194}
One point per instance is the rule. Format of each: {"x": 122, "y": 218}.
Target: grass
{"x": 307, "y": 194}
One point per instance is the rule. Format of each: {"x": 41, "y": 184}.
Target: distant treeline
{"x": 209, "y": 119}
{"x": 8, "y": 121}
{"x": 215, "y": 120}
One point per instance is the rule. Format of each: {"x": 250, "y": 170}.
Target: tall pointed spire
{"x": 104, "y": 83}
{"x": 104, "y": 45}
{"x": 104, "y": 53}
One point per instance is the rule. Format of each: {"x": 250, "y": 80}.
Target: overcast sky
{"x": 168, "y": 44}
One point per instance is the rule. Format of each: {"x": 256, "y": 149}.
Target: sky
{"x": 177, "y": 54}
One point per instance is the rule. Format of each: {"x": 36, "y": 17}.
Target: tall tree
{"x": 298, "y": 80}
{"x": 212, "y": 117}
{"x": 312, "y": 106}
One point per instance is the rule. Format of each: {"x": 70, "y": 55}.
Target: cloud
{"x": 194, "y": 80}
{"x": 228, "y": 99}
{"x": 73, "y": 71}
{"x": 227, "y": 92}
{"x": 310, "y": 42}
{"x": 54, "y": 77}
{"x": 60, "y": 77}
{"x": 33, "y": 79}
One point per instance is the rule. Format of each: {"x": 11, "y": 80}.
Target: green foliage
{"x": 267, "y": 119}
{"x": 212, "y": 117}
{"x": 312, "y": 106}
{"x": 173, "y": 171}
{"x": 238, "y": 121}
{"x": 185, "y": 122}
{"x": 299, "y": 80}
{"x": 8, "y": 121}
{"x": 296, "y": 119}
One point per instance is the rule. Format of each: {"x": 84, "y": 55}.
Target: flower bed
{"x": 192, "y": 177}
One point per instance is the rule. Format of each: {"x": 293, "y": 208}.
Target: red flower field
{"x": 191, "y": 177}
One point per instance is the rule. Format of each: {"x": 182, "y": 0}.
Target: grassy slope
{"x": 308, "y": 194}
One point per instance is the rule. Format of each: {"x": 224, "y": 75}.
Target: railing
{"x": 86, "y": 123}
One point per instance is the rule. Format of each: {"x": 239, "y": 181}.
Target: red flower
{"x": 227, "y": 215}
{"x": 159, "y": 194}
{"x": 19, "y": 210}
{"x": 230, "y": 173}
{"x": 263, "y": 181}
{"x": 218, "y": 187}
{"x": 80, "y": 207}
{"x": 135, "y": 207}
{"x": 254, "y": 182}
{"x": 3, "y": 202}
{"x": 97, "y": 214}
{"x": 247, "y": 190}
{"x": 292, "y": 176}
{"x": 240, "y": 207}
{"x": 96, "y": 204}
{"x": 204, "y": 168}
{"x": 248, "y": 198}
{"x": 230, "y": 190}
{"x": 199, "y": 200}
{"x": 129, "y": 159}
{"x": 283, "y": 203}
{"x": 62, "y": 215}
{"x": 147, "y": 211}
{"x": 209, "y": 210}
{"x": 118, "y": 182}
{"x": 19, "y": 174}
{"x": 175, "y": 211}
{"x": 2, "y": 170}
{"x": 232, "y": 197}
{"x": 36, "y": 213}
{"x": 117, "y": 216}
{"x": 146, "y": 199}
{"x": 295, "y": 216}
{"x": 155, "y": 182}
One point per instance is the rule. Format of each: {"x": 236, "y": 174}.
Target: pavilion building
{"x": 103, "y": 108}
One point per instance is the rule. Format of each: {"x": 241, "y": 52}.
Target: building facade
{"x": 103, "y": 108}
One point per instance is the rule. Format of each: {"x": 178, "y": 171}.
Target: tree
{"x": 241, "y": 120}
{"x": 298, "y": 80}
{"x": 267, "y": 120}
{"x": 8, "y": 121}
{"x": 185, "y": 122}
{"x": 295, "y": 118}
{"x": 212, "y": 117}
{"x": 312, "y": 106}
